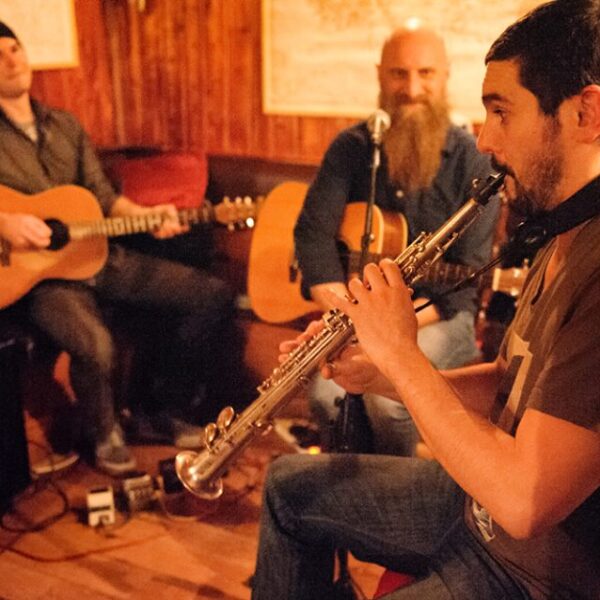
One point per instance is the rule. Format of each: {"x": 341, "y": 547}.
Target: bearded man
{"x": 426, "y": 173}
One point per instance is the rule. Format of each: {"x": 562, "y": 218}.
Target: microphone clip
{"x": 377, "y": 124}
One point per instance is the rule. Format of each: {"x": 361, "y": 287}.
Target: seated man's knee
{"x": 97, "y": 351}
{"x": 289, "y": 475}
{"x": 449, "y": 343}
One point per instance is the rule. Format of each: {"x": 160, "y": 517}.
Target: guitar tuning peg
{"x": 230, "y": 214}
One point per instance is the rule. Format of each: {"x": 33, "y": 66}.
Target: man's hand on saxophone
{"x": 352, "y": 368}
{"x": 383, "y": 315}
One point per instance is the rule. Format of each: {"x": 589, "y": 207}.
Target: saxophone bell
{"x": 186, "y": 467}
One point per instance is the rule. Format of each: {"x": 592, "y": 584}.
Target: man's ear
{"x": 588, "y": 112}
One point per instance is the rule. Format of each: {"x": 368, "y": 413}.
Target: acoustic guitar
{"x": 274, "y": 279}
{"x": 79, "y": 243}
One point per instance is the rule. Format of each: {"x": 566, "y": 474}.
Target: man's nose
{"x": 8, "y": 61}
{"x": 414, "y": 86}
{"x": 485, "y": 140}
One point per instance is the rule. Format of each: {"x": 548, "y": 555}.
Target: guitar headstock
{"x": 239, "y": 213}
{"x": 510, "y": 281}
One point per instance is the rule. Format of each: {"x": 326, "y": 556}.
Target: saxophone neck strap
{"x": 533, "y": 233}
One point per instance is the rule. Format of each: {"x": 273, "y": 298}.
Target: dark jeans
{"x": 189, "y": 307}
{"x": 402, "y": 513}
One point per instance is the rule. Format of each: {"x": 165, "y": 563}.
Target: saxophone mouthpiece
{"x": 483, "y": 191}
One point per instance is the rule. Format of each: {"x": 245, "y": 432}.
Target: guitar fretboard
{"x": 117, "y": 226}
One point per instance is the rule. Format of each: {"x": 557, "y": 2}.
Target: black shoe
{"x": 181, "y": 432}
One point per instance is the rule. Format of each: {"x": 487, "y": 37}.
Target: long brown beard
{"x": 414, "y": 142}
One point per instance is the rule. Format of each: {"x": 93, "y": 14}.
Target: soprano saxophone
{"x": 201, "y": 472}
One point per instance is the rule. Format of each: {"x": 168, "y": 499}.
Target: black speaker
{"x": 14, "y": 460}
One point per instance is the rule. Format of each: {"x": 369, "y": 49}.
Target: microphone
{"x": 377, "y": 124}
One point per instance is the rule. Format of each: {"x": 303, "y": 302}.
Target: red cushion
{"x": 391, "y": 581}
{"x": 179, "y": 178}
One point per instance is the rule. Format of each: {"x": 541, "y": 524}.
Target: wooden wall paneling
{"x": 85, "y": 90}
{"x": 95, "y": 93}
{"x": 122, "y": 20}
{"x": 115, "y": 65}
{"x": 217, "y": 95}
{"x": 172, "y": 52}
{"x": 153, "y": 69}
{"x": 196, "y": 81}
{"x": 187, "y": 74}
{"x": 243, "y": 66}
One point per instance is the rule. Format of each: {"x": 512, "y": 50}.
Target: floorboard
{"x": 182, "y": 549}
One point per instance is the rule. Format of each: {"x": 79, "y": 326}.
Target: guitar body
{"x": 78, "y": 259}
{"x": 273, "y": 278}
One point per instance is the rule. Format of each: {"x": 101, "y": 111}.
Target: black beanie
{"x": 6, "y": 31}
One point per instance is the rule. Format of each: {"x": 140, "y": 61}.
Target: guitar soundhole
{"x": 60, "y": 234}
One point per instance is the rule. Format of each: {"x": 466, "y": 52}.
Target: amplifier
{"x": 14, "y": 460}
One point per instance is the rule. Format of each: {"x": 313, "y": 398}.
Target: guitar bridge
{"x": 5, "y": 249}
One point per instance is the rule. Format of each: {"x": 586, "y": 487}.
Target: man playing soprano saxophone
{"x": 510, "y": 508}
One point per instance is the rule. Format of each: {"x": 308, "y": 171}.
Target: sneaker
{"x": 113, "y": 456}
{"x": 52, "y": 463}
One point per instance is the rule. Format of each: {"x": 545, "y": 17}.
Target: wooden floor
{"x": 181, "y": 549}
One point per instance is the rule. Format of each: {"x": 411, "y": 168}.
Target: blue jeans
{"x": 401, "y": 513}
{"x": 447, "y": 344}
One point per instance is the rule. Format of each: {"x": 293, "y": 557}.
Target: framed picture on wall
{"x": 47, "y": 29}
{"x": 319, "y": 57}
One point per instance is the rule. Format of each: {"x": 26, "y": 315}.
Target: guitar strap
{"x": 533, "y": 233}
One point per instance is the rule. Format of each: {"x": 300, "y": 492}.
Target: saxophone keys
{"x": 225, "y": 419}
{"x": 210, "y": 434}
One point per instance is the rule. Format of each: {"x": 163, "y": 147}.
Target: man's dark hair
{"x": 6, "y": 31}
{"x": 557, "y": 47}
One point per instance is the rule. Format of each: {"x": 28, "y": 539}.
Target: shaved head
{"x": 419, "y": 41}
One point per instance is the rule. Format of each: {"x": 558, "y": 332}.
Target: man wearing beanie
{"x": 41, "y": 148}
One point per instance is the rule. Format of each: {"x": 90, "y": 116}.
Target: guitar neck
{"x": 447, "y": 273}
{"x": 439, "y": 272}
{"x": 354, "y": 260}
{"x": 119, "y": 226}
{"x": 509, "y": 280}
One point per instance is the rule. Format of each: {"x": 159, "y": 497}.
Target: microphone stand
{"x": 367, "y": 236}
{"x": 352, "y": 431}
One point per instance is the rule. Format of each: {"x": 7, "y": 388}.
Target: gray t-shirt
{"x": 553, "y": 357}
